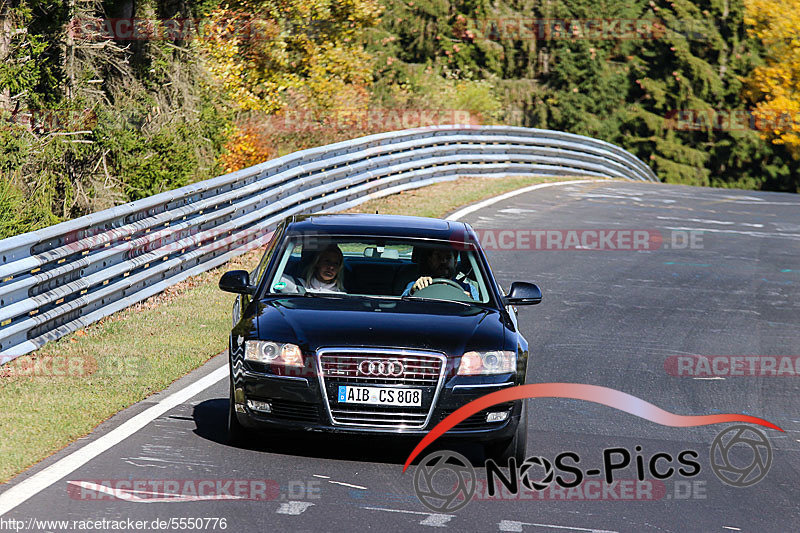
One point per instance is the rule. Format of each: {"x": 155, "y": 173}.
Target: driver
{"x": 439, "y": 263}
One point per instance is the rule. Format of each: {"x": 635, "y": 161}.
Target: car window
{"x": 258, "y": 273}
{"x": 384, "y": 267}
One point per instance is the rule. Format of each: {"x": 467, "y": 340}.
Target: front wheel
{"x": 514, "y": 447}
{"x": 237, "y": 433}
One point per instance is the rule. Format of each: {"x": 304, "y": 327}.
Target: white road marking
{"x": 489, "y": 201}
{"x": 144, "y": 465}
{"x": 785, "y": 226}
{"x": 397, "y": 510}
{"x": 431, "y": 519}
{"x": 706, "y": 221}
{"x": 436, "y": 520}
{"x": 732, "y": 528}
{"x": 751, "y": 233}
{"x": 754, "y": 198}
{"x": 342, "y": 483}
{"x": 615, "y": 196}
{"x": 293, "y": 508}
{"x": 715, "y": 377}
{"x": 516, "y": 210}
{"x": 41, "y": 480}
{"x": 321, "y": 476}
{"x": 764, "y": 202}
{"x": 171, "y": 460}
{"x": 512, "y": 525}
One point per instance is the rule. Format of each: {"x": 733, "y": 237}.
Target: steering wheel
{"x": 442, "y": 281}
{"x": 447, "y": 282}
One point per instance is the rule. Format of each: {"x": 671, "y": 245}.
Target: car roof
{"x": 378, "y": 225}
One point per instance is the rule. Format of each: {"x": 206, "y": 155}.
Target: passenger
{"x": 439, "y": 263}
{"x": 324, "y": 274}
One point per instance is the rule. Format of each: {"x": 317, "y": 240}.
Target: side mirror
{"x": 523, "y": 293}
{"x": 236, "y": 281}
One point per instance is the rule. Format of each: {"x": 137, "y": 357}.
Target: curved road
{"x": 616, "y": 318}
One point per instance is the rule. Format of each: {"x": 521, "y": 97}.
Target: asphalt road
{"x": 612, "y": 318}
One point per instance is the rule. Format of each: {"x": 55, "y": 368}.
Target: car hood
{"x": 325, "y": 322}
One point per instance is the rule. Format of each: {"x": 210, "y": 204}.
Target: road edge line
{"x": 28, "y": 488}
{"x": 489, "y": 201}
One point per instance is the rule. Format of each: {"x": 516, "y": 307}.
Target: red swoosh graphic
{"x": 578, "y": 391}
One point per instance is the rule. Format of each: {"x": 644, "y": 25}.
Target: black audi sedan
{"x": 368, "y": 324}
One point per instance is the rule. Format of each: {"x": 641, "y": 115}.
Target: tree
{"x": 774, "y": 87}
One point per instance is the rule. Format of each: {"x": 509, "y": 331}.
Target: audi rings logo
{"x": 392, "y": 368}
{"x": 444, "y": 481}
{"x": 724, "y": 456}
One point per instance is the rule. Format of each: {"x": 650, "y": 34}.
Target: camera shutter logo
{"x": 525, "y": 476}
{"x": 724, "y": 465}
{"x": 445, "y": 496}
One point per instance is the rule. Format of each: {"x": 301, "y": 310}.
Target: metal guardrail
{"x": 67, "y": 276}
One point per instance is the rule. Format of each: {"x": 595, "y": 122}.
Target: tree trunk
{"x": 6, "y": 30}
{"x": 69, "y": 53}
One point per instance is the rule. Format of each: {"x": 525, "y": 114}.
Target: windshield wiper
{"x": 316, "y": 294}
{"x": 408, "y": 297}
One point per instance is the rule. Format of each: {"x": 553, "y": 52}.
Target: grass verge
{"x": 61, "y": 392}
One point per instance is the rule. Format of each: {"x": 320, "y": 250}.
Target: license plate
{"x": 380, "y": 395}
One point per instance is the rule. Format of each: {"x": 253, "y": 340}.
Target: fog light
{"x": 262, "y": 407}
{"x": 497, "y": 417}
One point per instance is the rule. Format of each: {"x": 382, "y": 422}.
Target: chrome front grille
{"x": 421, "y": 370}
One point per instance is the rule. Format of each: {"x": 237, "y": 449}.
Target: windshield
{"x": 379, "y": 267}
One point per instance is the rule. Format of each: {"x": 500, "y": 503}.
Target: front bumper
{"x": 297, "y": 403}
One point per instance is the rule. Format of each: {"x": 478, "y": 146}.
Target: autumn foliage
{"x": 270, "y": 55}
{"x": 775, "y": 86}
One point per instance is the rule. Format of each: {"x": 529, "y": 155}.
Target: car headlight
{"x": 275, "y": 353}
{"x": 483, "y": 363}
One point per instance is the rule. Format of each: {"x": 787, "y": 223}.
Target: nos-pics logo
{"x": 445, "y": 481}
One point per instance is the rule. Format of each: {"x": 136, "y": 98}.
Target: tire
{"x": 237, "y": 433}
{"x": 514, "y": 447}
